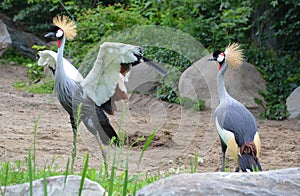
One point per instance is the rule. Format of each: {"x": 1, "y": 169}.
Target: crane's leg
{"x": 103, "y": 151}
{"x": 74, "y": 128}
{"x": 224, "y": 148}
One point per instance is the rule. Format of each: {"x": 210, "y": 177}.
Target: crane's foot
{"x": 237, "y": 169}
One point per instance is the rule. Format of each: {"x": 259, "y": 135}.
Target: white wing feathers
{"x": 48, "y": 58}
{"x": 101, "y": 82}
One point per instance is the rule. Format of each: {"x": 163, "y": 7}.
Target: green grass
{"x": 189, "y": 103}
{"x": 39, "y": 88}
{"x": 120, "y": 181}
{"x": 123, "y": 183}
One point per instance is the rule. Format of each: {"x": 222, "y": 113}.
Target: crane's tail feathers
{"x": 155, "y": 66}
{"x": 248, "y": 160}
{"x": 106, "y": 126}
{"x": 107, "y": 107}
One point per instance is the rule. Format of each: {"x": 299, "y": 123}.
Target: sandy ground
{"x": 180, "y": 133}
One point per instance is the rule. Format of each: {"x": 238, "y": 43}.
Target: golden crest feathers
{"x": 234, "y": 55}
{"x": 67, "y": 25}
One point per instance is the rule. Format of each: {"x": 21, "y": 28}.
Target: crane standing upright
{"x": 235, "y": 124}
{"x": 96, "y": 93}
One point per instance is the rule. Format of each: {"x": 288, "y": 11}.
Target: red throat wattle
{"x": 220, "y": 66}
{"x": 58, "y": 43}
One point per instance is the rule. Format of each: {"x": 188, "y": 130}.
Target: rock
{"x": 143, "y": 79}
{"x": 55, "y": 186}
{"x": 199, "y": 82}
{"x": 5, "y": 40}
{"x": 293, "y": 103}
{"x": 276, "y": 182}
{"x": 22, "y": 41}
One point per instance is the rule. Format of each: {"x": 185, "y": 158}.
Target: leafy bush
{"x": 12, "y": 56}
{"x": 276, "y": 54}
{"x": 282, "y": 77}
{"x": 94, "y": 24}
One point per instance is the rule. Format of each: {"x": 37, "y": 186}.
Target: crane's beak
{"x": 51, "y": 34}
{"x": 212, "y": 59}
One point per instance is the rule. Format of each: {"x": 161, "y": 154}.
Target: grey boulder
{"x": 55, "y": 186}
{"x": 293, "y": 103}
{"x": 276, "y": 182}
{"x": 199, "y": 82}
{"x": 5, "y": 40}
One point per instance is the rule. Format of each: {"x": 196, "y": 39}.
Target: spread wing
{"x": 48, "y": 58}
{"x": 110, "y": 71}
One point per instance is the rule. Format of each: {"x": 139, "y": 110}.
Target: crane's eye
{"x": 221, "y": 57}
{"x": 59, "y": 33}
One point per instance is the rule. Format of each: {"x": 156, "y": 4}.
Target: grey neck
{"x": 60, "y": 72}
{"x": 221, "y": 84}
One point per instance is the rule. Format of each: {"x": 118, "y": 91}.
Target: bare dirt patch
{"x": 180, "y": 132}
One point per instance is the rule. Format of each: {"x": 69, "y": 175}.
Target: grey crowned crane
{"x": 96, "y": 92}
{"x": 235, "y": 124}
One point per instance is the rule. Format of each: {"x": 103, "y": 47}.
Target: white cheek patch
{"x": 220, "y": 58}
{"x": 59, "y": 33}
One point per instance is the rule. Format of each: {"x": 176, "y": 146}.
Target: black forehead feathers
{"x": 54, "y": 28}
{"x": 216, "y": 53}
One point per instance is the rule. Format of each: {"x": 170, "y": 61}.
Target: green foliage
{"x": 282, "y": 77}
{"x": 284, "y": 26}
{"x": 175, "y": 64}
{"x": 40, "y": 88}
{"x": 34, "y": 72}
{"x": 213, "y": 23}
{"x": 199, "y": 106}
{"x": 277, "y": 56}
{"x": 94, "y": 24}
{"x": 12, "y": 56}
{"x": 189, "y": 103}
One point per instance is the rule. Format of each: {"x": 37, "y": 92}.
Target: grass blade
{"x": 6, "y": 167}
{"x": 34, "y": 144}
{"x": 85, "y": 168}
{"x": 149, "y": 140}
{"x": 45, "y": 182}
{"x": 125, "y": 178}
{"x": 112, "y": 176}
{"x": 67, "y": 171}
{"x": 30, "y": 173}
